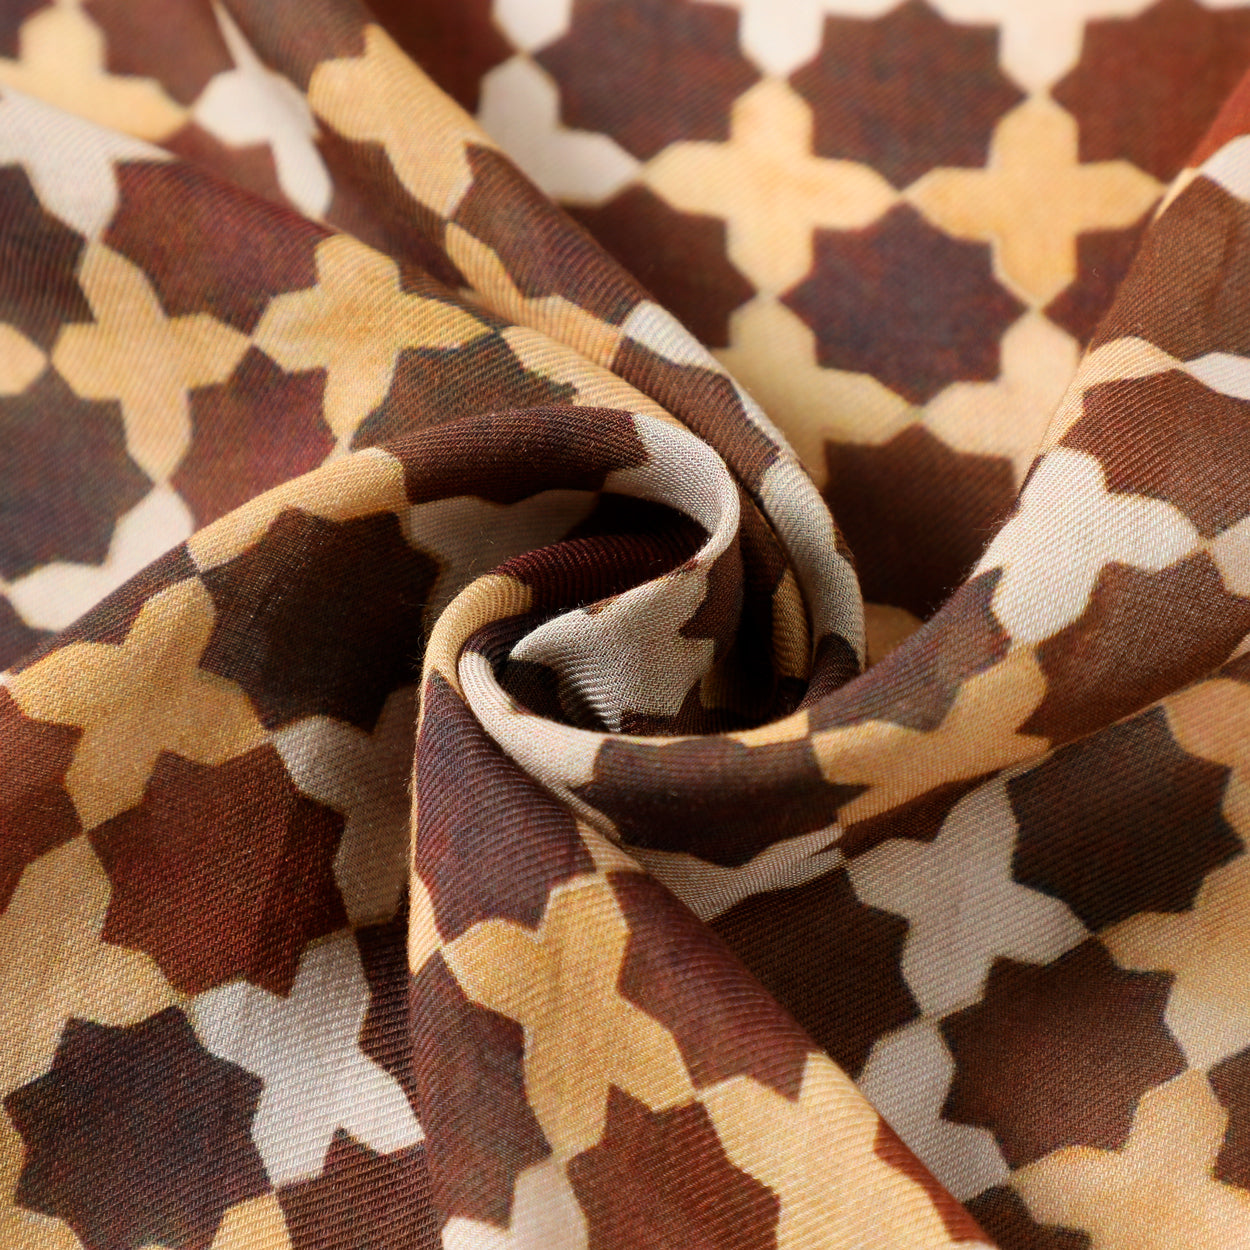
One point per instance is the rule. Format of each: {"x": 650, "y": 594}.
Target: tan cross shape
{"x": 817, "y": 1154}
{"x": 353, "y": 324}
{"x": 769, "y": 188}
{"x": 1204, "y": 948}
{"x": 62, "y": 61}
{"x": 138, "y": 699}
{"x": 147, "y": 361}
{"x": 1157, "y": 1191}
{"x": 1034, "y": 198}
{"x": 981, "y": 731}
{"x": 382, "y": 97}
{"x": 560, "y": 984}
{"x": 55, "y": 965}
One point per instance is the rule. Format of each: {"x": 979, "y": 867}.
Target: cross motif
{"x": 520, "y": 109}
{"x": 560, "y": 985}
{"x": 1208, "y": 1011}
{"x": 773, "y": 352}
{"x": 70, "y": 163}
{"x": 545, "y": 1212}
{"x": 304, "y": 1047}
{"x": 55, "y": 595}
{"x": 781, "y": 35}
{"x": 981, "y": 731}
{"x": 803, "y": 1149}
{"x": 1037, "y": 43}
{"x": 1157, "y": 1190}
{"x": 55, "y": 965}
{"x": 1034, "y": 198}
{"x": 769, "y": 188}
{"x": 374, "y": 97}
{"x": 364, "y": 776}
{"x": 135, "y": 354}
{"x": 251, "y": 104}
{"x": 1046, "y": 585}
{"x": 353, "y": 324}
{"x": 62, "y": 62}
{"x": 1008, "y": 417}
{"x": 21, "y": 361}
{"x": 906, "y": 1079}
{"x": 138, "y": 699}
{"x": 963, "y": 907}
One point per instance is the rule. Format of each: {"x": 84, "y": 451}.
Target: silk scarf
{"x": 624, "y": 624}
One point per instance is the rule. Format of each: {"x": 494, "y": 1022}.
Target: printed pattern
{"x": 458, "y": 784}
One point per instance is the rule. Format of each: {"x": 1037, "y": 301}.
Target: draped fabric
{"x": 625, "y": 624}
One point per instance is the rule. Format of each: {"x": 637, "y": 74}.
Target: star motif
{"x": 1157, "y": 1191}
{"x": 222, "y": 872}
{"x": 144, "y": 1101}
{"x": 353, "y": 324}
{"x": 138, "y": 699}
{"x": 648, "y": 72}
{"x": 560, "y": 984}
{"x": 135, "y": 354}
{"x": 72, "y": 484}
{"x": 769, "y": 188}
{"x": 252, "y": 104}
{"x": 377, "y": 1200}
{"x": 305, "y": 1048}
{"x": 1177, "y": 55}
{"x": 70, "y": 163}
{"x": 62, "y": 62}
{"x": 869, "y": 78}
{"x": 962, "y": 905}
{"x": 1058, "y": 1055}
{"x": 1034, "y": 236}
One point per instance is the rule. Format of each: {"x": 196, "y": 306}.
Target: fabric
{"x": 625, "y": 625}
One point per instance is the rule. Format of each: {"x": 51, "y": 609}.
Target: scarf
{"x": 625, "y": 625}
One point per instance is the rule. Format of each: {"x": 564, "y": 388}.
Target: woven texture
{"x": 625, "y": 625}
